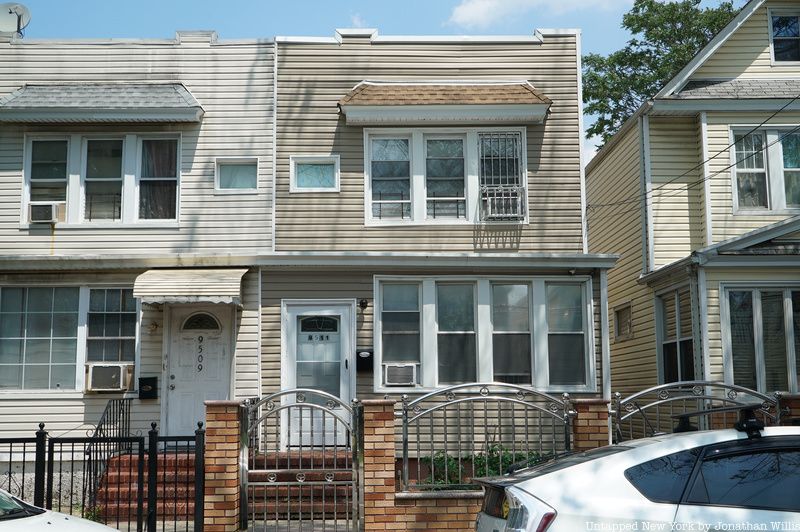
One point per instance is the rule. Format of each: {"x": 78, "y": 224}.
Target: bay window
{"x": 445, "y": 175}
{"x": 766, "y": 170}
{"x": 527, "y": 331}
{"x": 102, "y": 179}
{"x": 761, "y": 330}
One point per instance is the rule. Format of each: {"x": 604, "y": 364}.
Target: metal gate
{"x": 688, "y": 405}
{"x": 302, "y": 449}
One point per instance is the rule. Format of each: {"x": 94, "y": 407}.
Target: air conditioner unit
{"x": 109, "y": 377}
{"x": 46, "y": 212}
{"x": 400, "y": 374}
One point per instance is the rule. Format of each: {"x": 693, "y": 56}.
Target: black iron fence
{"x": 454, "y": 435}
{"x": 128, "y": 482}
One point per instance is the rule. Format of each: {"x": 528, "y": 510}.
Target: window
{"x": 450, "y": 176}
{"x": 123, "y": 179}
{"x": 444, "y": 178}
{"x": 785, "y": 38}
{"x": 768, "y": 480}
{"x": 767, "y": 170}
{"x": 664, "y": 479}
{"x": 314, "y": 173}
{"x": 158, "y": 183}
{"x": 237, "y": 174}
{"x": 112, "y": 326}
{"x": 38, "y": 338}
{"x": 466, "y": 329}
{"x": 676, "y": 345}
{"x": 623, "y": 323}
{"x": 758, "y": 347}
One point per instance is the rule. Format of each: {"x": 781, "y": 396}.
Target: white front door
{"x": 318, "y": 354}
{"x": 198, "y": 367}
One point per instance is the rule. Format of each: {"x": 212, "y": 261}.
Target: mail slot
{"x": 148, "y": 387}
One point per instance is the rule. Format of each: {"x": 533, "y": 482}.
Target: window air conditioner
{"x": 109, "y": 377}
{"x": 45, "y": 213}
{"x": 400, "y": 374}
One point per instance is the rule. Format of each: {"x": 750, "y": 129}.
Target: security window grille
{"x": 501, "y": 176}
{"x": 112, "y": 326}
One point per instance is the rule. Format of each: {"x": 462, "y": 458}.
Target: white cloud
{"x": 356, "y": 21}
{"x": 590, "y": 148}
{"x": 472, "y": 14}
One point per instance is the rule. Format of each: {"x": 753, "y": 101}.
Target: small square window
{"x": 623, "y": 325}
{"x": 314, "y": 173}
{"x": 237, "y": 175}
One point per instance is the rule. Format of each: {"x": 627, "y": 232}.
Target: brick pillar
{"x": 590, "y": 425}
{"x": 221, "y": 498}
{"x": 379, "y": 460}
{"x": 790, "y": 402}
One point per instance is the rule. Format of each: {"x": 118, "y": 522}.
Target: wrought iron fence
{"x": 685, "y": 406}
{"x": 451, "y": 436}
{"x": 300, "y": 456}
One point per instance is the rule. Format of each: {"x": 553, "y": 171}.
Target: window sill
{"x": 91, "y": 226}
{"x": 445, "y": 223}
{"x": 236, "y": 192}
{"x": 765, "y": 212}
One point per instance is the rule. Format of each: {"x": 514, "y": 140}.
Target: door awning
{"x": 190, "y": 286}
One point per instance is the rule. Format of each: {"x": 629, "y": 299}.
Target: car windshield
{"x": 8, "y": 506}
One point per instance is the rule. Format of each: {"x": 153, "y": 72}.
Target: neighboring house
{"x": 427, "y": 213}
{"x": 699, "y": 195}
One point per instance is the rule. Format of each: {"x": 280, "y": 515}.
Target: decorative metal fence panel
{"x": 301, "y": 448}
{"x": 454, "y": 435}
{"x": 686, "y": 406}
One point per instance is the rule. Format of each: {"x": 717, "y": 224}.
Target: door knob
{"x": 171, "y": 386}
{"x": 172, "y": 377}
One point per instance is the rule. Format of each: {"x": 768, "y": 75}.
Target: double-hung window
{"x": 767, "y": 170}
{"x": 527, "y": 331}
{"x": 450, "y": 176}
{"x": 676, "y": 344}
{"x": 762, "y": 337}
{"x": 102, "y": 179}
{"x": 785, "y": 36}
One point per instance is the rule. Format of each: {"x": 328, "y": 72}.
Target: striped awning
{"x": 190, "y": 286}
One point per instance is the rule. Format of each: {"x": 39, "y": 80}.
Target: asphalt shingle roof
{"x": 739, "y": 89}
{"x": 444, "y": 94}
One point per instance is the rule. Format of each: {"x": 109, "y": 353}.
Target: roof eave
{"x": 379, "y": 115}
{"x": 80, "y": 115}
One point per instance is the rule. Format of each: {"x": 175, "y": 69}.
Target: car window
{"x": 664, "y": 479}
{"x": 769, "y": 479}
{"x": 8, "y": 505}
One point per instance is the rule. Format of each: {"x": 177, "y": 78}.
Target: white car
{"x": 19, "y": 516}
{"x": 711, "y": 480}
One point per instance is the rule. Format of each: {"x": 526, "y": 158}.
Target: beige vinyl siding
{"x": 313, "y": 77}
{"x": 725, "y": 222}
{"x": 279, "y": 284}
{"x": 746, "y": 53}
{"x": 247, "y": 346}
{"x": 677, "y": 200}
{"x": 619, "y": 229}
{"x": 750, "y": 277}
{"x": 232, "y": 81}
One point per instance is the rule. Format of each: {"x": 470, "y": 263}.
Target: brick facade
{"x": 590, "y": 425}
{"x": 222, "y": 466}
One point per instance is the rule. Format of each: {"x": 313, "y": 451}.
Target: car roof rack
{"x": 748, "y": 422}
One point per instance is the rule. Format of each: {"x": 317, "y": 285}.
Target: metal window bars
{"x": 501, "y": 177}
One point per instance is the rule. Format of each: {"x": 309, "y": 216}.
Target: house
{"x": 361, "y": 214}
{"x": 698, "y": 195}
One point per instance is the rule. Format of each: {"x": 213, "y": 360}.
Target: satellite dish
{"x": 13, "y": 18}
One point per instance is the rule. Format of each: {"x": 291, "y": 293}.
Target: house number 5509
{"x": 200, "y": 353}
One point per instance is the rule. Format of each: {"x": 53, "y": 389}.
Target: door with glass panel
{"x": 317, "y": 355}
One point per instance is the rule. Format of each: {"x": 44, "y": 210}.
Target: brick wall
{"x": 221, "y": 499}
{"x": 792, "y": 403}
{"x": 590, "y": 425}
{"x": 384, "y": 509}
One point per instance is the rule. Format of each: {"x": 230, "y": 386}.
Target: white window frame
{"x": 617, "y": 335}
{"x": 81, "y": 354}
{"x": 76, "y": 174}
{"x": 484, "y": 330}
{"x": 672, "y": 291}
{"x": 773, "y": 166}
{"x": 416, "y": 138}
{"x": 779, "y": 12}
{"x": 444, "y": 136}
{"x": 314, "y": 159}
{"x": 725, "y": 327}
{"x": 220, "y": 161}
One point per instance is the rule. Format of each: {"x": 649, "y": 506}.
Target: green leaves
{"x": 666, "y": 35}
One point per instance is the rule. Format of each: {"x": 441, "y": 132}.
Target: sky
{"x": 599, "y": 20}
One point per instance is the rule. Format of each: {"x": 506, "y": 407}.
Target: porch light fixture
{"x": 152, "y": 328}
{"x": 363, "y": 304}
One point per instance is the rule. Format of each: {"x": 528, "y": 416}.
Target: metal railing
{"x": 466, "y": 431}
{"x": 674, "y": 407}
{"x": 502, "y": 203}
